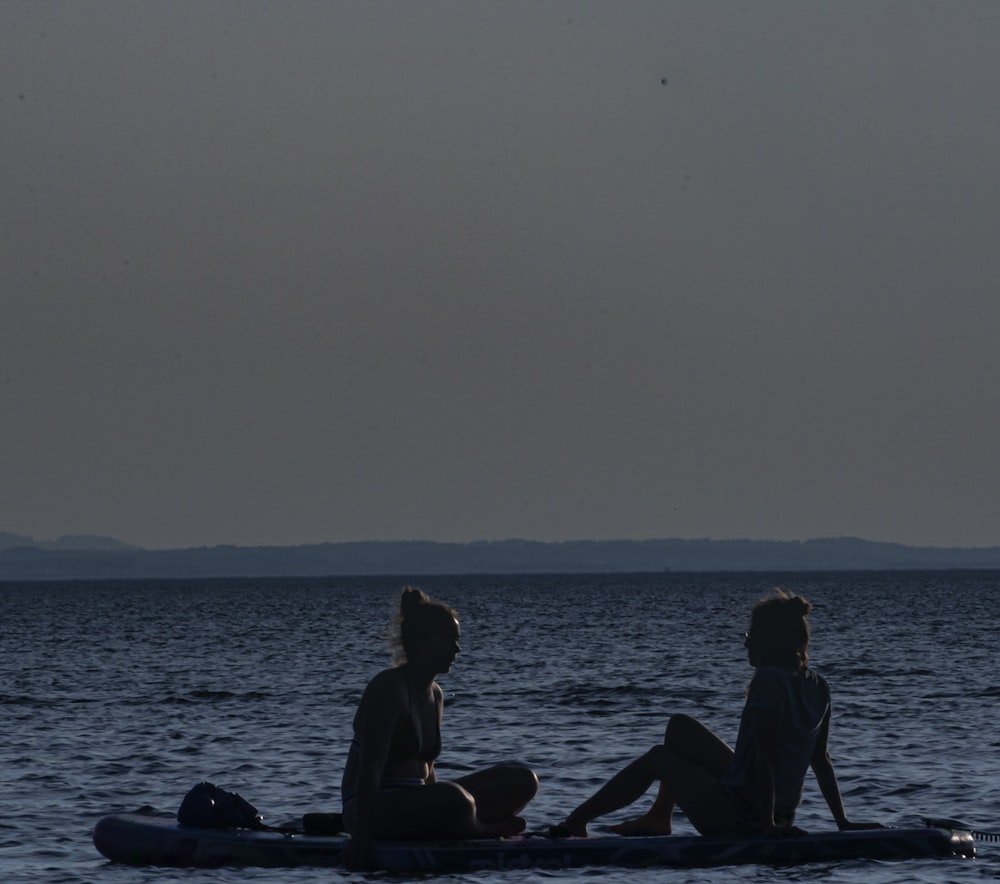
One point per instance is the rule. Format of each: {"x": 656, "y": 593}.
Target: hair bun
{"x": 801, "y": 605}
{"x": 410, "y": 599}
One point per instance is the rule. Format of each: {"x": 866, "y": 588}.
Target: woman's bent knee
{"x": 520, "y": 779}
{"x": 679, "y": 723}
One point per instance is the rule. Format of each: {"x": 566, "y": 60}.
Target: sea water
{"x": 120, "y": 695}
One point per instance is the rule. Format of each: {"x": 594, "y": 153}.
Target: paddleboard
{"x": 137, "y": 839}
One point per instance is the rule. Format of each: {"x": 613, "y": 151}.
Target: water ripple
{"x": 118, "y": 696}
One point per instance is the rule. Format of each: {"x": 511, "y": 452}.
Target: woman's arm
{"x": 826, "y": 778}
{"x": 379, "y": 711}
{"x": 765, "y": 725}
{"x": 439, "y": 702}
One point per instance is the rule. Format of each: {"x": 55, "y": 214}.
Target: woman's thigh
{"x": 432, "y": 811}
{"x": 698, "y": 792}
{"x": 502, "y": 790}
{"x": 689, "y": 737}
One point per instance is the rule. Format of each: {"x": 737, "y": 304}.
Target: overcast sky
{"x": 293, "y": 272}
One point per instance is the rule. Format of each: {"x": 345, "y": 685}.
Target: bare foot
{"x": 643, "y": 825}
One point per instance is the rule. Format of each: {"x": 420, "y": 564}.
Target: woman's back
{"x": 801, "y": 699}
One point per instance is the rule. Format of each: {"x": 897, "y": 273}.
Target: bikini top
{"x": 406, "y": 744}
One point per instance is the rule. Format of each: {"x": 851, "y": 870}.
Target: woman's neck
{"x": 418, "y": 676}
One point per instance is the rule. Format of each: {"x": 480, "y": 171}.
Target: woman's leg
{"x": 689, "y": 738}
{"x": 626, "y": 786}
{"x": 501, "y": 791}
{"x": 440, "y": 810}
{"x": 688, "y": 766}
{"x": 696, "y": 790}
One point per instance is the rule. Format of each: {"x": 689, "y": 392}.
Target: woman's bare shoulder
{"x": 388, "y": 681}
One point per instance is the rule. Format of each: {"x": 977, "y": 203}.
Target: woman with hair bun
{"x": 390, "y": 789}
{"x": 784, "y": 730}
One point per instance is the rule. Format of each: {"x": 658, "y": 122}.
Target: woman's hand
{"x": 783, "y": 831}
{"x": 848, "y": 826}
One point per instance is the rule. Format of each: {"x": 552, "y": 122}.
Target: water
{"x": 119, "y": 695}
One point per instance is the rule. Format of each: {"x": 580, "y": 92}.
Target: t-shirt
{"x": 803, "y": 699}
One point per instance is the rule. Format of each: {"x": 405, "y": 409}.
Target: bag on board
{"x": 210, "y": 807}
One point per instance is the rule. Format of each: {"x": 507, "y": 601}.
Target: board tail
{"x": 955, "y": 825}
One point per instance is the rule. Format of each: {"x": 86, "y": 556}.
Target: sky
{"x": 300, "y": 272}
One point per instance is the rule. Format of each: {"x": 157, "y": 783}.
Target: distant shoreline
{"x": 105, "y": 558}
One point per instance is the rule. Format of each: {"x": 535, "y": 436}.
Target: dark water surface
{"x": 119, "y": 695}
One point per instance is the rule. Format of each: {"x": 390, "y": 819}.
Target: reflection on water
{"x": 121, "y": 695}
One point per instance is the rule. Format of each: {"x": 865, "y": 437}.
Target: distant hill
{"x": 71, "y": 558}
{"x": 66, "y": 542}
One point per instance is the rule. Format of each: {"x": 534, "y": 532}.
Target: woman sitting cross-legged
{"x": 390, "y": 789}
